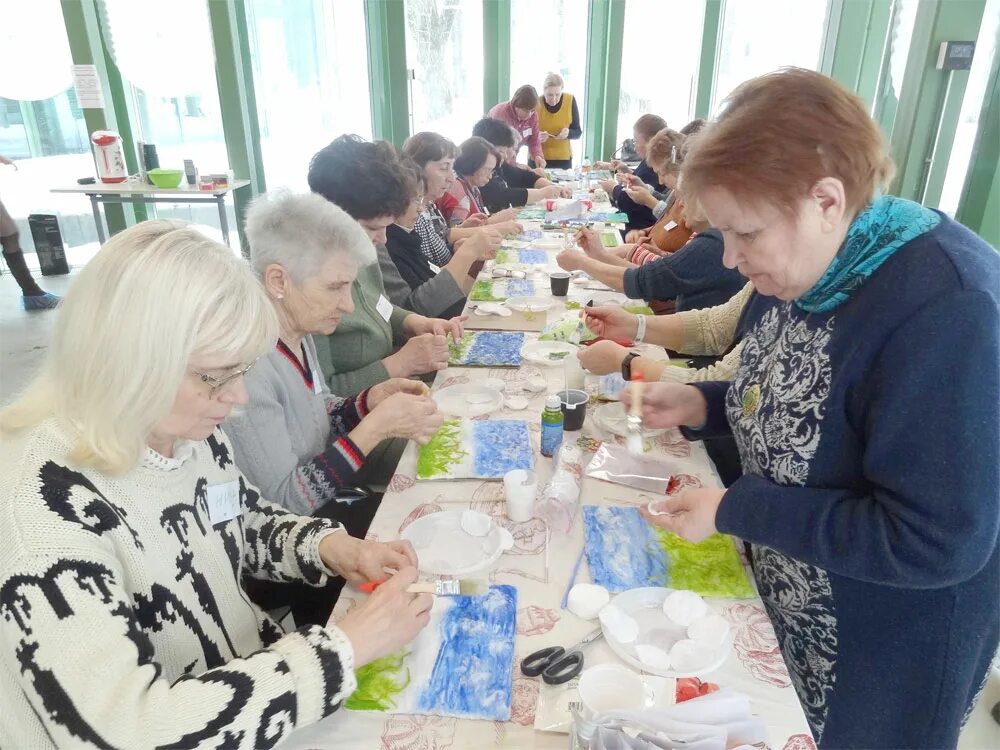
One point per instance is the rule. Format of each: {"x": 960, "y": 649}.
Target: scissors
{"x": 556, "y": 664}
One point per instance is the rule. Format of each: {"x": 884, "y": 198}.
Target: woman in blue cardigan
{"x": 867, "y": 413}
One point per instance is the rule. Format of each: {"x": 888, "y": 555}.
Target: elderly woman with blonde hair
{"x": 126, "y": 529}
{"x": 296, "y": 441}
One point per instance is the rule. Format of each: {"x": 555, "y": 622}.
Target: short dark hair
{"x": 694, "y": 126}
{"x": 525, "y": 98}
{"x": 426, "y": 146}
{"x": 365, "y": 179}
{"x": 472, "y": 155}
{"x": 414, "y": 177}
{"x": 495, "y": 131}
{"x": 649, "y": 125}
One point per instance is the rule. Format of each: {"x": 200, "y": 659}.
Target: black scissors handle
{"x": 535, "y": 663}
{"x": 564, "y": 668}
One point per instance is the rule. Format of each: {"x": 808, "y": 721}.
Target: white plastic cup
{"x": 610, "y": 687}
{"x": 520, "y": 486}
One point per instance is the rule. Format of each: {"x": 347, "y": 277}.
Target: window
{"x": 42, "y": 128}
{"x": 972, "y": 105}
{"x": 901, "y": 24}
{"x": 166, "y": 56}
{"x": 560, "y": 27}
{"x": 759, "y": 36}
{"x": 651, "y": 85}
{"x": 444, "y": 52}
{"x": 310, "y": 63}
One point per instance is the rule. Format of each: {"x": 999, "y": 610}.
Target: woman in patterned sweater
{"x": 867, "y": 413}
{"x": 126, "y": 530}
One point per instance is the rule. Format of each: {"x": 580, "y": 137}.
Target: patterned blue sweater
{"x": 870, "y": 441}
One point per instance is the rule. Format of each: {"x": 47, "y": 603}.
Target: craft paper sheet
{"x": 526, "y": 257}
{"x": 459, "y": 665}
{"x": 477, "y": 449}
{"x": 624, "y": 552}
{"x": 485, "y": 290}
{"x": 487, "y": 349}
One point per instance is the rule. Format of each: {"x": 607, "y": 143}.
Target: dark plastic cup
{"x": 559, "y": 281}
{"x": 574, "y": 408}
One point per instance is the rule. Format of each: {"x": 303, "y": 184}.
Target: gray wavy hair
{"x": 300, "y": 231}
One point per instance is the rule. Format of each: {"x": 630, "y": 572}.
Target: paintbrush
{"x": 633, "y": 426}
{"x": 454, "y": 587}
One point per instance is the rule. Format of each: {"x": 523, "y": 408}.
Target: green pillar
{"x": 709, "y": 52}
{"x": 855, "y": 42}
{"x": 930, "y": 100}
{"x": 388, "y": 77}
{"x": 496, "y": 52}
{"x": 238, "y": 103}
{"x": 87, "y": 47}
{"x": 979, "y": 207}
{"x": 605, "y": 30}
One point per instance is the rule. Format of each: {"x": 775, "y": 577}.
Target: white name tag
{"x": 317, "y": 383}
{"x": 435, "y": 269}
{"x": 526, "y": 132}
{"x": 223, "y": 502}
{"x": 464, "y": 203}
{"x": 384, "y": 308}
{"x": 669, "y": 225}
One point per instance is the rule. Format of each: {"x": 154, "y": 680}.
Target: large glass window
{"x": 901, "y": 24}
{"x": 560, "y": 26}
{"x": 972, "y": 105}
{"x": 310, "y": 64}
{"x": 759, "y": 36}
{"x": 166, "y": 56}
{"x": 41, "y": 127}
{"x": 444, "y": 52}
{"x": 648, "y": 86}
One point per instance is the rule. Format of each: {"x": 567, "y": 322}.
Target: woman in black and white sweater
{"x": 125, "y": 527}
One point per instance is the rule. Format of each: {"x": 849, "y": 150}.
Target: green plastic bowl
{"x": 166, "y": 178}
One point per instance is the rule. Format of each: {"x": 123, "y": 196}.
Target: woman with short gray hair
{"x": 296, "y": 440}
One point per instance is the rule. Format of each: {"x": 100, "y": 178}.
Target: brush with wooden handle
{"x": 454, "y": 587}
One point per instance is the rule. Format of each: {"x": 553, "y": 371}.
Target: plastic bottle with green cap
{"x": 552, "y": 425}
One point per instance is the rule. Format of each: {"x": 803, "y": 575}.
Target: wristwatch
{"x": 627, "y": 366}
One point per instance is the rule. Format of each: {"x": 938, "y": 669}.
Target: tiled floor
{"x": 24, "y": 338}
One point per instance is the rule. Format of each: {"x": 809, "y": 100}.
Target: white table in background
{"x": 139, "y": 193}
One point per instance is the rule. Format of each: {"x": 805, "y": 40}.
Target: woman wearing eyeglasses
{"x": 126, "y": 530}
{"x": 474, "y": 166}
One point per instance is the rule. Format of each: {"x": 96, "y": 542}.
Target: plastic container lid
{"x": 552, "y": 402}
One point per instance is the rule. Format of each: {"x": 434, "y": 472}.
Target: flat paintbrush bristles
{"x": 473, "y": 586}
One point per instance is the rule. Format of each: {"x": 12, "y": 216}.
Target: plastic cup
{"x": 520, "y": 486}
{"x": 574, "y": 408}
{"x": 610, "y": 687}
{"x": 559, "y": 282}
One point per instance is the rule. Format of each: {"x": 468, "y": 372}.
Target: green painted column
{"x": 855, "y": 44}
{"x": 387, "y": 71}
{"x": 930, "y": 100}
{"x": 710, "y": 35}
{"x": 605, "y": 31}
{"x": 496, "y": 52}
{"x": 979, "y": 207}
{"x": 87, "y": 47}
{"x": 234, "y": 75}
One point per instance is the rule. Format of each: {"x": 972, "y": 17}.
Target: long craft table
{"x": 539, "y": 566}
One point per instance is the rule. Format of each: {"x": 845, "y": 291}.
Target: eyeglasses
{"x": 217, "y": 384}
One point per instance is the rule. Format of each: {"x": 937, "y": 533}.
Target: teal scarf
{"x": 881, "y": 229}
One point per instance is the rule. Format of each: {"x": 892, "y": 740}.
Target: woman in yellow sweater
{"x": 558, "y": 123}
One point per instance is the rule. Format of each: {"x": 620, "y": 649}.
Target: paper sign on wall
{"x": 87, "y": 86}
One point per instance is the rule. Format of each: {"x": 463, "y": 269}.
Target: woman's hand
{"x": 670, "y": 405}
{"x": 425, "y": 352}
{"x": 551, "y": 192}
{"x": 570, "y": 260}
{"x": 636, "y": 236}
{"x": 403, "y": 415}
{"x": 543, "y": 136}
{"x": 563, "y": 134}
{"x": 691, "y": 513}
{"x": 611, "y": 322}
{"x": 607, "y": 186}
{"x": 379, "y": 393}
{"x": 507, "y": 227}
{"x": 508, "y": 214}
{"x": 618, "y": 165}
{"x": 472, "y": 221}
{"x": 589, "y": 242}
{"x": 359, "y": 560}
{"x": 540, "y": 165}
{"x": 388, "y": 619}
{"x": 642, "y": 196}
{"x": 7, "y": 162}
{"x": 482, "y": 245}
{"x": 602, "y": 357}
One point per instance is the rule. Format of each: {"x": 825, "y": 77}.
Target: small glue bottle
{"x": 552, "y": 425}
